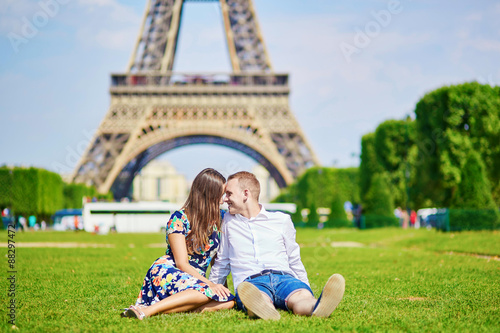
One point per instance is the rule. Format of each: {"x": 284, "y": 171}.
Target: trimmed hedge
{"x": 36, "y": 191}
{"x": 5, "y": 187}
{"x": 337, "y": 217}
{"x": 378, "y": 221}
{"x": 73, "y": 194}
{"x": 39, "y": 192}
{"x": 473, "y": 219}
{"x": 338, "y": 223}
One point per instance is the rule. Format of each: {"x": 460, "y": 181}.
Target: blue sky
{"x": 54, "y": 81}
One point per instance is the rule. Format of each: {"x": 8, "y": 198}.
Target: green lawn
{"x": 401, "y": 280}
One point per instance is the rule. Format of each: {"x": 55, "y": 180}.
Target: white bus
{"x": 101, "y": 217}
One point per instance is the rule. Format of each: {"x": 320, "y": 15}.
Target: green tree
{"x": 474, "y": 190}
{"x": 73, "y": 194}
{"x": 451, "y": 121}
{"x": 394, "y": 143}
{"x": 379, "y": 199}
{"x": 319, "y": 185}
{"x": 369, "y": 164}
{"x": 378, "y": 208}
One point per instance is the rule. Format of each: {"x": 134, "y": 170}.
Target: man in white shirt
{"x": 259, "y": 249}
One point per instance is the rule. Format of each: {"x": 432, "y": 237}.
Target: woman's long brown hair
{"x": 202, "y": 208}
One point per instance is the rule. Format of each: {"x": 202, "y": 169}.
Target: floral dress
{"x": 164, "y": 279}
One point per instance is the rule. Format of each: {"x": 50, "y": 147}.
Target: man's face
{"x": 235, "y": 197}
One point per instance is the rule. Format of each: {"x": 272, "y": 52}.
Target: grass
{"x": 402, "y": 280}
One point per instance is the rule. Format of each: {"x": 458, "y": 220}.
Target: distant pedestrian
{"x": 22, "y": 222}
{"x": 32, "y": 221}
{"x": 76, "y": 223}
{"x": 399, "y": 214}
{"x": 413, "y": 218}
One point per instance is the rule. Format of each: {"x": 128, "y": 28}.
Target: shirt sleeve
{"x": 293, "y": 251}
{"x": 221, "y": 267}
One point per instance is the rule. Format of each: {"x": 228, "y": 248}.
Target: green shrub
{"x": 379, "y": 221}
{"x": 474, "y": 190}
{"x": 318, "y": 185}
{"x": 337, "y": 217}
{"x": 450, "y": 122}
{"x": 378, "y": 200}
{"x": 5, "y": 187}
{"x": 339, "y": 223}
{"x": 313, "y": 217}
{"x": 73, "y": 194}
{"x": 473, "y": 219}
{"x": 39, "y": 192}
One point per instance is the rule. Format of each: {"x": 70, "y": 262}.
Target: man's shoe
{"x": 255, "y": 302}
{"x": 330, "y": 296}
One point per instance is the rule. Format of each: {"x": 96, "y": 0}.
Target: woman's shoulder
{"x": 180, "y": 214}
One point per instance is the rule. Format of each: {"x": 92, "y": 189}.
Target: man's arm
{"x": 221, "y": 267}
{"x": 293, "y": 251}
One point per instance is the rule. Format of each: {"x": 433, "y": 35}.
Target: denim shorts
{"x": 278, "y": 287}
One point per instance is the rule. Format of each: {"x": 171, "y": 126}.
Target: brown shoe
{"x": 255, "y": 302}
{"x": 330, "y": 296}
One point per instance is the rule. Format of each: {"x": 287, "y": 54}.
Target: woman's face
{"x": 223, "y": 196}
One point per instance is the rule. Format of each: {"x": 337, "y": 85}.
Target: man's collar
{"x": 263, "y": 213}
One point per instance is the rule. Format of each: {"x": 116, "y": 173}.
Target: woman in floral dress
{"x": 176, "y": 282}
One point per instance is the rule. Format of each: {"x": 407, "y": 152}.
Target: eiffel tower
{"x": 154, "y": 110}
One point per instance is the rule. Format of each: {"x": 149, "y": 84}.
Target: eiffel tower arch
{"x": 154, "y": 110}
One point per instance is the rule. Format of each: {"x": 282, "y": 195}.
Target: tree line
{"x": 449, "y": 156}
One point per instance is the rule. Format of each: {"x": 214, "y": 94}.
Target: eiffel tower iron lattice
{"x": 154, "y": 110}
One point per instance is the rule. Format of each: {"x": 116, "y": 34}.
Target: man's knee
{"x": 300, "y": 295}
{"x": 301, "y": 302}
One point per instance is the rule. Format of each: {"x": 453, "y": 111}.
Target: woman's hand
{"x": 219, "y": 290}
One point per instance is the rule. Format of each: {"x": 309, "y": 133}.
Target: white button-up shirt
{"x": 249, "y": 246}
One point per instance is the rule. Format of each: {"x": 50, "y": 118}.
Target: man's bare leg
{"x": 301, "y": 302}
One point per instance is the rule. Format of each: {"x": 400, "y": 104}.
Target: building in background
{"x": 159, "y": 181}
{"x": 268, "y": 187}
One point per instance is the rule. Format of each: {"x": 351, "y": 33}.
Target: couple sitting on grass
{"x": 258, "y": 247}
